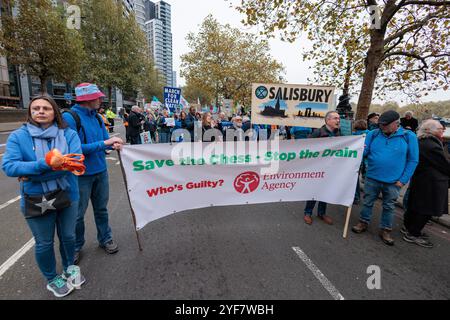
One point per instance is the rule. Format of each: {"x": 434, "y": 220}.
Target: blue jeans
{"x": 405, "y": 199}
{"x": 164, "y": 137}
{"x": 390, "y": 192}
{"x": 96, "y": 188}
{"x": 321, "y": 210}
{"x": 43, "y": 229}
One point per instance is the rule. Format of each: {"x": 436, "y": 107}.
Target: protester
{"x": 164, "y": 129}
{"x": 126, "y": 116}
{"x": 101, "y": 112}
{"x": 392, "y": 156}
{"x": 135, "y": 123}
{"x": 300, "y": 132}
{"x": 150, "y": 124}
{"x": 110, "y": 115}
{"x": 330, "y": 129}
{"x": 189, "y": 122}
{"x": 360, "y": 127}
{"x": 429, "y": 185}
{"x": 409, "y": 122}
{"x": 94, "y": 184}
{"x": 372, "y": 121}
{"x": 25, "y": 158}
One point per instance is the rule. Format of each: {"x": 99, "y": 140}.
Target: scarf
{"x": 45, "y": 140}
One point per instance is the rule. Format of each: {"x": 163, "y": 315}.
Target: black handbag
{"x": 40, "y": 205}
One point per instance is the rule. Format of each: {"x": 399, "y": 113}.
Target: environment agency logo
{"x": 261, "y": 92}
{"x": 246, "y": 182}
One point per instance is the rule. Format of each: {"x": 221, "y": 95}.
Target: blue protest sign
{"x": 67, "y": 96}
{"x": 172, "y": 97}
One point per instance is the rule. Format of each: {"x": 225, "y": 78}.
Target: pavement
{"x": 9, "y": 126}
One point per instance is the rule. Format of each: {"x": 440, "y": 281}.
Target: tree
{"x": 152, "y": 82}
{"x": 38, "y": 41}
{"x": 193, "y": 93}
{"x": 115, "y": 46}
{"x": 403, "y": 47}
{"x": 224, "y": 62}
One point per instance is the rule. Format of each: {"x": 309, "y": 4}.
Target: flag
{"x": 155, "y": 99}
{"x": 184, "y": 103}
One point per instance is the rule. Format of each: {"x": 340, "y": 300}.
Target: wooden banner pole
{"x": 347, "y": 221}
{"x": 129, "y": 201}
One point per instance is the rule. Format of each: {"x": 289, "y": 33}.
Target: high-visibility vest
{"x": 105, "y": 120}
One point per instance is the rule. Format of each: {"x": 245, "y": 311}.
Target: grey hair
{"x": 135, "y": 108}
{"x": 428, "y": 128}
{"x": 328, "y": 115}
{"x": 410, "y": 113}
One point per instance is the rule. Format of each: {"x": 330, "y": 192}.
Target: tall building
{"x": 139, "y": 11}
{"x": 128, "y": 7}
{"x": 174, "y": 79}
{"x": 159, "y": 35}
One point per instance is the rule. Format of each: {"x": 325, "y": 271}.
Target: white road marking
{"x": 111, "y": 158}
{"x": 16, "y": 256}
{"x": 9, "y": 202}
{"x": 2, "y": 145}
{"x": 319, "y": 275}
{"x": 117, "y": 163}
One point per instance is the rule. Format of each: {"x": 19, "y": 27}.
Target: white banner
{"x": 291, "y": 104}
{"x": 164, "y": 179}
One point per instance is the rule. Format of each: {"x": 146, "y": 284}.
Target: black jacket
{"x": 134, "y": 123}
{"x": 429, "y": 184}
{"x": 324, "y": 132}
{"x": 411, "y": 123}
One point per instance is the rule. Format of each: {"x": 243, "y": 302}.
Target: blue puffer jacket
{"x": 92, "y": 144}
{"x": 391, "y": 159}
{"x": 20, "y": 161}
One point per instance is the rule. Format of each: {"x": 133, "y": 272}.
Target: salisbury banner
{"x": 291, "y": 105}
{"x": 163, "y": 179}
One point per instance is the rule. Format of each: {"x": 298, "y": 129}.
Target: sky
{"x": 187, "y": 16}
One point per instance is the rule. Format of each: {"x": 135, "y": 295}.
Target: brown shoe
{"x": 326, "y": 219}
{"x": 308, "y": 219}
{"x": 385, "y": 235}
{"x": 360, "y": 227}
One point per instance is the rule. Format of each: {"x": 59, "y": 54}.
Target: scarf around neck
{"x": 45, "y": 140}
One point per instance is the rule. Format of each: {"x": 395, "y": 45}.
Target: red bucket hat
{"x": 87, "y": 92}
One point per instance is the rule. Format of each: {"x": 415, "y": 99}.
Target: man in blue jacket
{"x": 94, "y": 183}
{"x": 392, "y": 156}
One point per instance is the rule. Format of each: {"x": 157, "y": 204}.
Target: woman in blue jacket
{"x": 24, "y": 158}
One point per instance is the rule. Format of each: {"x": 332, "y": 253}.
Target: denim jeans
{"x": 321, "y": 210}
{"x": 96, "y": 188}
{"x": 390, "y": 192}
{"x": 43, "y": 229}
{"x": 164, "y": 137}
{"x": 405, "y": 200}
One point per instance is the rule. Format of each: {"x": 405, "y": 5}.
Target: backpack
{"x": 77, "y": 119}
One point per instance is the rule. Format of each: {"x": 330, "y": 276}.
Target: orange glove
{"x": 70, "y": 162}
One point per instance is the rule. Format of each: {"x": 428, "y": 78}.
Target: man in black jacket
{"x": 409, "y": 122}
{"x": 190, "y": 122}
{"x": 330, "y": 129}
{"x": 135, "y": 122}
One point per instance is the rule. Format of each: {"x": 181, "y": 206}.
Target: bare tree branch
{"x": 413, "y": 27}
{"x": 430, "y": 3}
